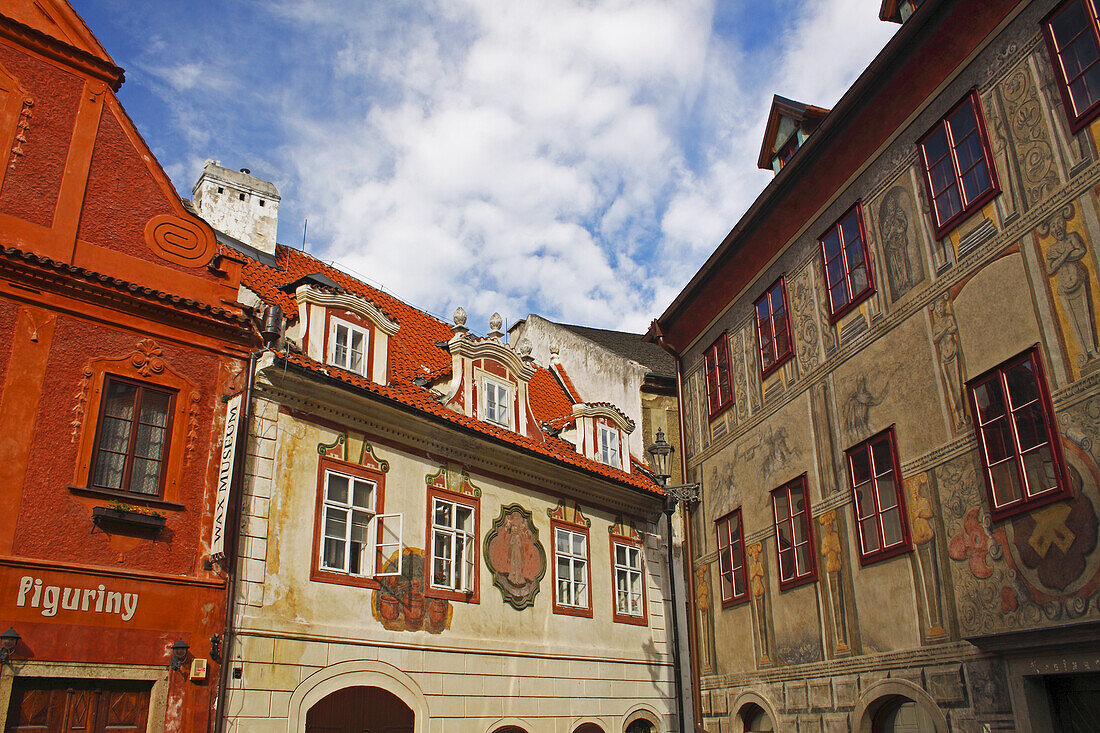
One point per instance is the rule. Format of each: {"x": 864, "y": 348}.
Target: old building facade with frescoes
{"x": 890, "y": 395}
{"x": 433, "y": 530}
{"x": 120, "y": 336}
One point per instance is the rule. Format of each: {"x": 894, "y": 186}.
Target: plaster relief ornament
{"x": 515, "y": 556}
{"x": 495, "y": 322}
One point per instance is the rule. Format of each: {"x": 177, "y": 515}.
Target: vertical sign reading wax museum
{"x": 225, "y": 475}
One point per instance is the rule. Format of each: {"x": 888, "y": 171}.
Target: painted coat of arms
{"x": 515, "y": 556}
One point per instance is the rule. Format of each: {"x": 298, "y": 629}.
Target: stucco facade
{"x": 980, "y": 617}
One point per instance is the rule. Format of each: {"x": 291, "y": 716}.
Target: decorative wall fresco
{"x": 515, "y": 557}
{"x": 831, "y": 554}
{"x": 926, "y": 572}
{"x": 1069, "y": 266}
{"x": 900, "y": 240}
{"x": 945, "y": 338}
{"x": 760, "y": 610}
{"x": 399, "y": 604}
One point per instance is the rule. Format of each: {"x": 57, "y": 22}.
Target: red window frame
{"x": 853, "y": 297}
{"x": 1009, "y": 450}
{"x": 969, "y": 202}
{"x": 474, "y": 504}
{"x": 731, "y": 559}
{"x": 792, "y": 521}
{"x": 560, "y": 608}
{"x": 879, "y": 454}
{"x": 140, "y": 389}
{"x": 621, "y": 617}
{"x": 1078, "y": 119}
{"x": 775, "y": 308}
{"x": 318, "y": 572}
{"x": 719, "y": 383}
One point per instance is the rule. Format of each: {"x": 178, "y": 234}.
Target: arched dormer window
{"x": 601, "y": 433}
{"x": 345, "y": 330}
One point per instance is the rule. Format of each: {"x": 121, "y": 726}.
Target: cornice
{"x": 469, "y": 348}
{"x": 51, "y": 47}
{"x": 607, "y": 410}
{"x": 348, "y": 301}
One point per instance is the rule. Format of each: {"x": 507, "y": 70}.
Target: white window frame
{"x": 607, "y": 449}
{"x": 494, "y": 388}
{"x": 462, "y": 546}
{"x": 628, "y": 572}
{"x": 389, "y": 527}
{"x": 577, "y": 582}
{"x": 333, "y": 327}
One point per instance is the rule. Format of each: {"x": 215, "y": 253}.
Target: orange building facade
{"x": 120, "y": 339}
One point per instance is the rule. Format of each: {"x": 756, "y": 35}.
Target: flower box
{"x": 127, "y": 518}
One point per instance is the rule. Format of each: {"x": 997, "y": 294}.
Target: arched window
{"x": 588, "y": 728}
{"x": 641, "y": 725}
{"x": 756, "y": 719}
{"x": 901, "y": 715}
{"x": 510, "y": 729}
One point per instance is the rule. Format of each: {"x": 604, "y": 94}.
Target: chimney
{"x": 239, "y": 204}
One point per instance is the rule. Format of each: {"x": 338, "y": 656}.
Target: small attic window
{"x": 261, "y": 202}
{"x": 496, "y": 401}
{"x": 240, "y": 196}
{"x": 221, "y": 189}
{"x": 609, "y": 446}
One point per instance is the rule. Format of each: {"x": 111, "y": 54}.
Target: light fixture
{"x": 179, "y": 654}
{"x": 659, "y": 453}
{"x": 215, "y": 647}
{"x": 8, "y": 641}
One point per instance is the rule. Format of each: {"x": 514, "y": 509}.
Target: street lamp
{"x": 179, "y": 654}
{"x": 659, "y": 453}
{"x": 8, "y": 641}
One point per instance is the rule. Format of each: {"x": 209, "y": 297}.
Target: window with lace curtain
{"x": 132, "y": 437}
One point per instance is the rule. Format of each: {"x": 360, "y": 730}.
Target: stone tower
{"x": 238, "y": 203}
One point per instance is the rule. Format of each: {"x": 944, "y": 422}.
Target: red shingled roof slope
{"x": 413, "y": 353}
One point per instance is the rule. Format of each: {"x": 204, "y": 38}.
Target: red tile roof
{"x": 413, "y": 353}
{"x": 566, "y": 382}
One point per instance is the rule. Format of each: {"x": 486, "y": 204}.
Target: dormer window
{"x": 348, "y": 345}
{"x": 496, "y": 403}
{"x": 609, "y": 446}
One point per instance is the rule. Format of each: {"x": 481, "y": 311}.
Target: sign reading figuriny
{"x": 225, "y": 475}
{"x": 51, "y": 598}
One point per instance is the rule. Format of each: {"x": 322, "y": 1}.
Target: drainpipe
{"x": 272, "y": 332}
{"x": 670, "y": 509}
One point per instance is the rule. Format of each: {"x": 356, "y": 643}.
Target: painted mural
{"x": 515, "y": 557}
{"x": 399, "y": 604}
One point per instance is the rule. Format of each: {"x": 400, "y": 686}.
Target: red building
{"x": 119, "y": 336}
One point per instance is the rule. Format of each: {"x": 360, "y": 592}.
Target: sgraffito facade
{"x": 899, "y": 522}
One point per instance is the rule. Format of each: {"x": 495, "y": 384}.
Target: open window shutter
{"x": 468, "y": 565}
{"x": 330, "y": 355}
{"x": 390, "y": 538}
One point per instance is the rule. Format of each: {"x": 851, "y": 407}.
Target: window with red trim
{"x": 731, "y": 559}
{"x": 878, "y": 501}
{"x": 958, "y": 165}
{"x": 773, "y": 327}
{"x": 572, "y": 572}
{"x": 848, "y": 276}
{"x": 133, "y": 436}
{"x": 1073, "y": 39}
{"x": 719, "y": 385}
{"x": 793, "y": 534}
{"x": 1017, "y": 439}
{"x": 627, "y": 565}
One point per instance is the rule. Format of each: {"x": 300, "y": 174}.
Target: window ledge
{"x": 119, "y": 517}
{"x": 128, "y": 498}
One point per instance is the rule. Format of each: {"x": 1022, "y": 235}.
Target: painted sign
{"x": 52, "y": 598}
{"x": 225, "y": 475}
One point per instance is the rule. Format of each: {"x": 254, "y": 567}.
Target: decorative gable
{"x": 789, "y": 124}
{"x": 601, "y": 430}
{"x": 489, "y": 378}
{"x": 344, "y": 330}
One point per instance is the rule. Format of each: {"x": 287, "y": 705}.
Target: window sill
{"x": 572, "y": 611}
{"x": 337, "y": 578}
{"x": 1041, "y": 500}
{"x": 765, "y": 373}
{"x": 128, "y": 498}
{"x": 797, "y": 582}
{"x": 876, "y": 557}
{"x": 453, "y": 596}
{"x": 714, "y": 415}
{"x": 735, "y": 602}
{"x": 975, "y": 206}
{"x": 620, "y": 618}
{"x": 848, "y": 308}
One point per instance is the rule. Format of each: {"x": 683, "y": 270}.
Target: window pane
{"x": 145, "y": 476}
{"x": 990, "y": 400}
{"x": 858, "y": 277}
{"x": 154, "y": 408}
{"x": 561, "y": 540}
{"x": 336, "y": 523}
{"x": 883, "y": 456}
{"x": 334, "y": 553}
{"x": 963, "y": 123}
{"x": 860, "y": 465}
{"x": 865, "y": 500}
{"x": 998, "y": 441}
{"x": 1006, "y": 483}
{"x": 150, "y": 441}
{"x": 935, "y": 147}
{"x": 798, "y": 499}
{"x": 465, "y": 518}
{"x": 1039, "y": 468}
{"x": 1021, "y": 384}
{"x": 868, "y": 531}
{"x": 579, "y": 545}
{"x": 948, "y": 204}
{"x": 850, "y": 228}
{"x": 443, "y": 514}
{"x": 1078, "y": 55}
{"x": 976, "y": 181}
{"x": 831, "y": 242}
{"x": 786, "y": 564}
{"x": 887, "y": 492}
{"x": 119, "y": 401}
{"x": 1067, "y": 24}
{"x": 803, "y": 555}
{"x": 115, "y": 435}
{"x": 942, "y": 175}
{"x": 1030, "y": 427}
{"x": 337, "y": 489}
{"x": 340, "y": 351}
{"x": 781, "y": 509}
{"x": 782, "y": 342}
{"x": 891, "y": 526}
{"x": 108, "y": 470}
{"x": 1090, "y": 88}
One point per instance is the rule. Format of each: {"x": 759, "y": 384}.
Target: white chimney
{"x": 239, "y": 204}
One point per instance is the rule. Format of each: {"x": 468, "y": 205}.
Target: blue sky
{"x": 575, "y": 158}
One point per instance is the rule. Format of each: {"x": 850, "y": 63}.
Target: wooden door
{"x": 359, "y": 710}
{"x": 78, "y": 706}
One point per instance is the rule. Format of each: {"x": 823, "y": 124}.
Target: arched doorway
{"x": 510, "y": 729}
{"x": 755, "y": 719}
{"x": 641, "y": 725}
{"x": 588, "y": 728}
{"x": 902, "y": 715}
{"x": 359, "y": 710}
